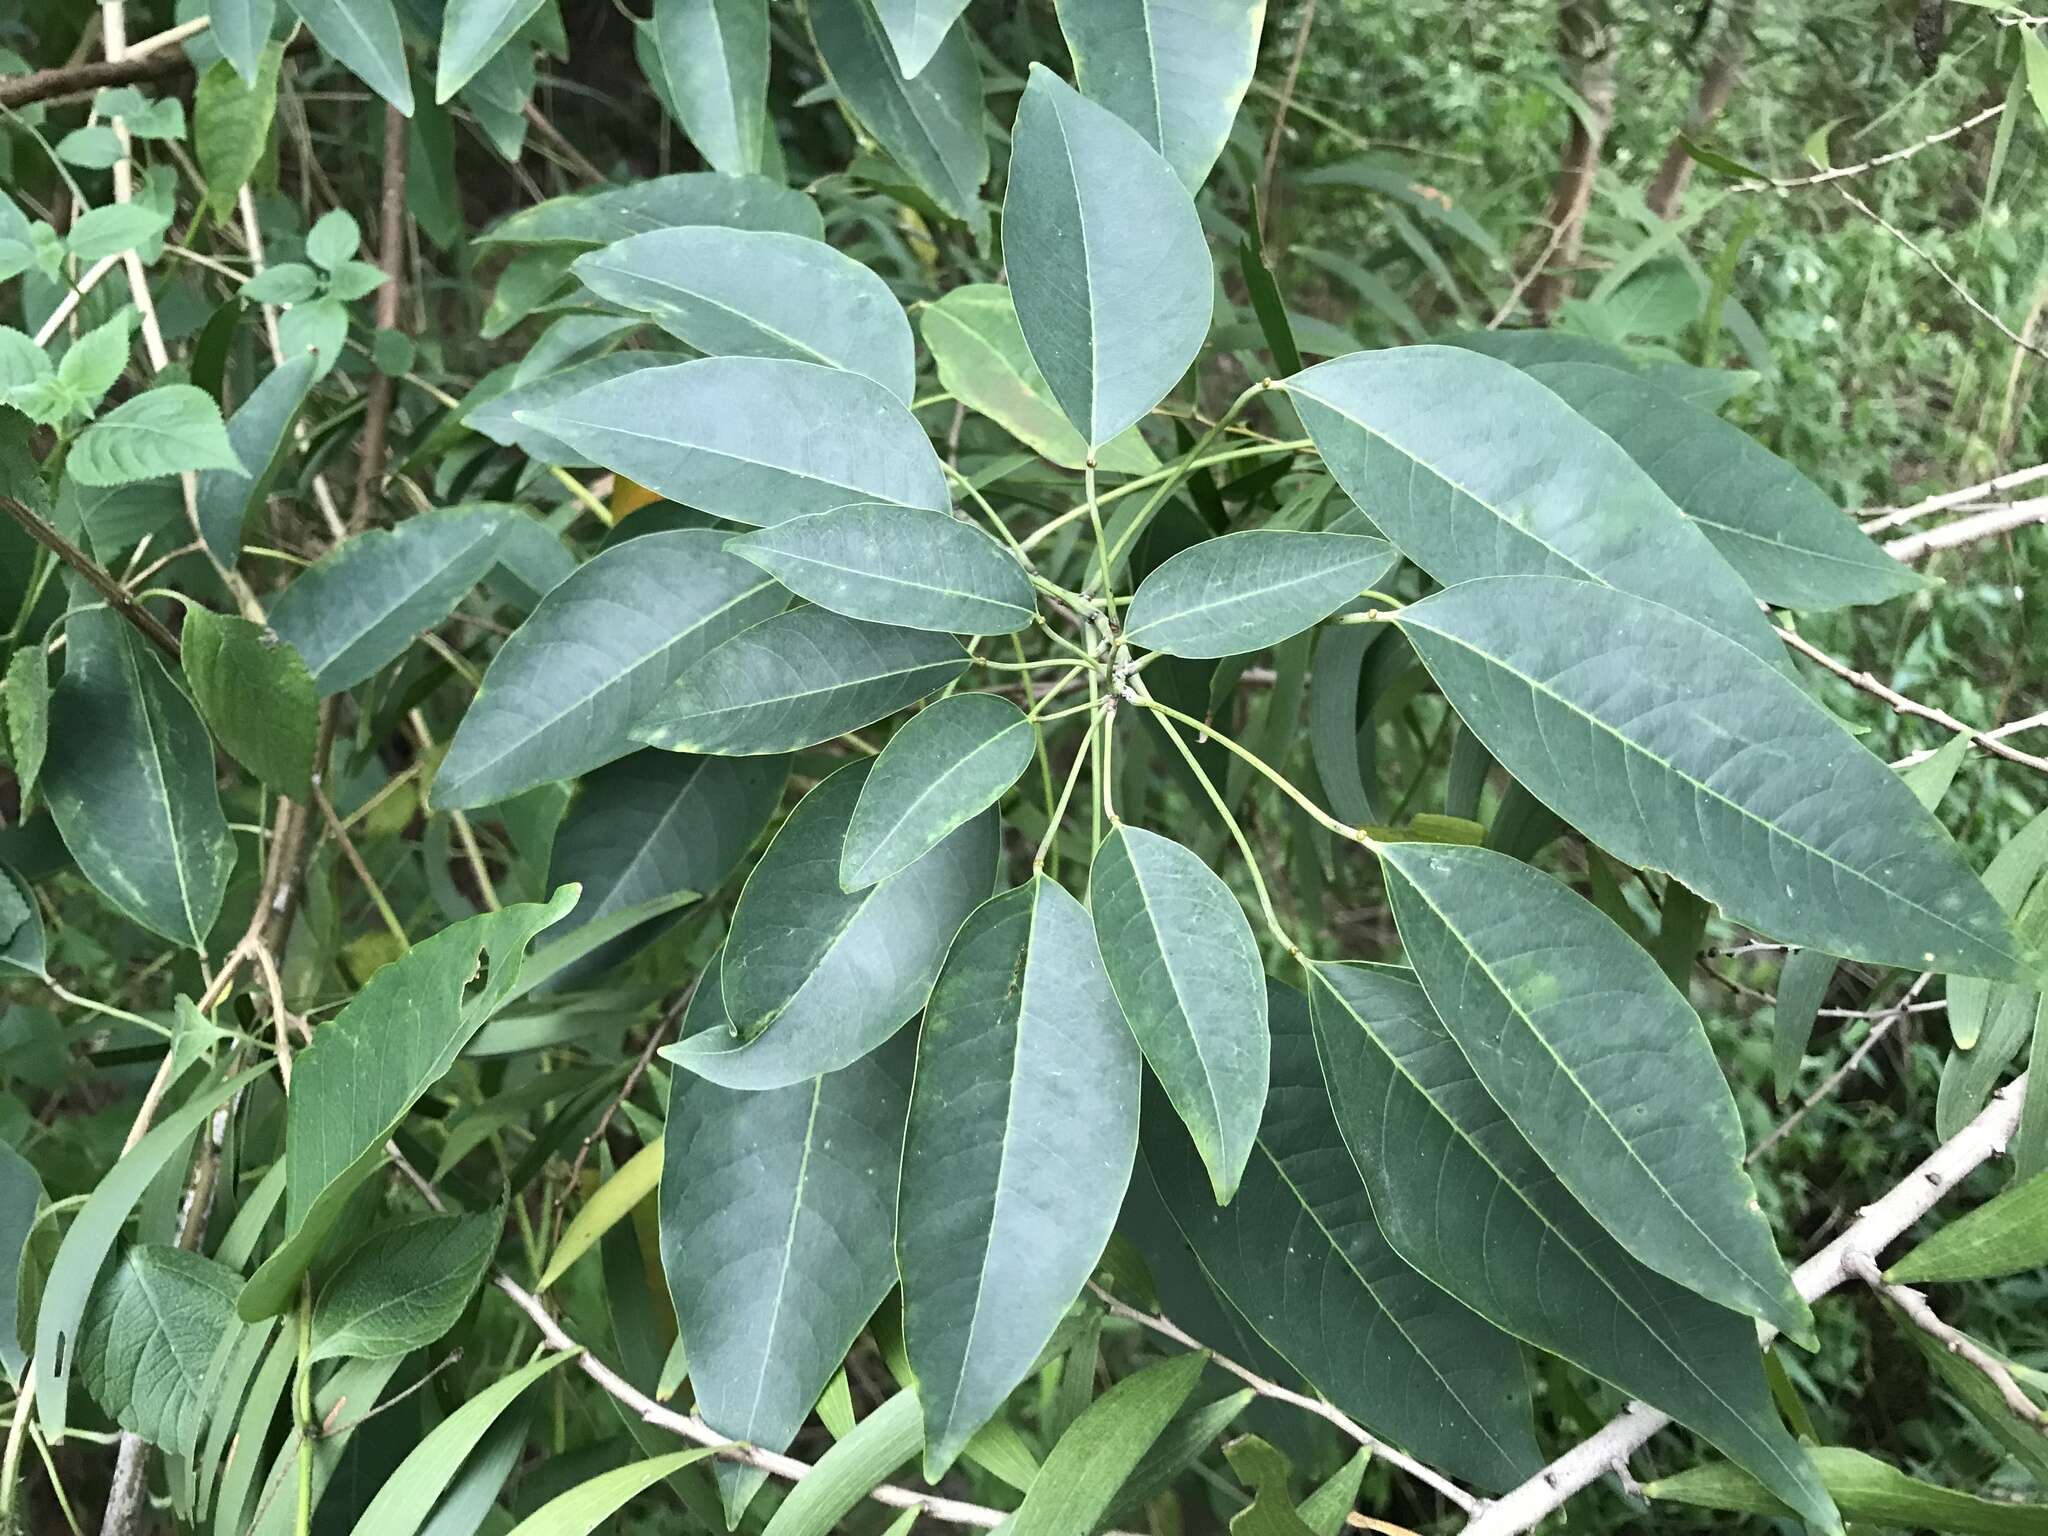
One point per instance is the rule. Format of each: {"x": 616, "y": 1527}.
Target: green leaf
{"x": 1467, "y": 1200}
{"x": 255, "y": 695}
{"x": 905, "y": 566}
{"x": 1023, "y": 1128}
{"x": 1865, "y": 1489}
{"x": 241, "y": 29}
{"x": 508, "y": 417}
{"x": 472, "y": 32}
{"x": 612, "y": 1202}
{"x": 1706, "y": 388}
{"x": 1978, "y": 1396}
{"x": 1267, "y": 1472}
{"x": 22, "y": 946}
{"x": 1083, "y": 1472}
{"x": 232, "y": 111}
{"x": 289, "y": 282}
{"x": 1599, "y": 1061}
{"x": 916, "y": 28}
{"x": 797, "y": 679}
{"x": 1186, "y": 970}
{"x": 1175, "y": 72}
{"x": 661, "y": 202}
{"x": 114, "y": 229}
{"x": 714, "y": 54}
{"x": 1802, "y": 986}
{"x": 846, "y": 1474}
{"x": 760, "y": 293}
{"x": 1475, "y": 469}
{"x": 590, "y": 1504}
{"x": 932, "y": 125}
{"x": 1107, "y": 264}
{"x": 364, "y": 36}
{"x": 565, "y": 692}
{"x": 945, "y": 765}
{"x": 1973, "y": 1003}
{"x": 973, "y": 335}
{"x": 2005, "y": 1236}
{"x": 130, "y": 782}
{"x": 2034, "y": 54}
{"x": 163, "y": 431}
{"x": 1671, "y": 747}
{"x": 370, "y": 1063}
{"x": 334, "y": 239}
{"x": 95, "y": 147}
{"x": 1793, "y": 546}
{"x": 1183, "y": 1443}
{"x": 812, "y": 977}
{"x": 753, "y": 439}
{"x": 409, "y": 1493}
{"x": 21, "y": 1194}
{"x": 92, "y": 364}
{"x": 1324, "y": 1510}
{"x": 353, "y": 1389}
{"x": 28, "y": 716}
{"x": 364, "y": 603}
{"x": 260, "y": 434}
{"x": 778, "y": 1224}
{"x": 402, "y": 1287}
{"x": 149, "y": 1338}
{"x": 1402, "y": 1357}
{"x": 1246, "y": 591}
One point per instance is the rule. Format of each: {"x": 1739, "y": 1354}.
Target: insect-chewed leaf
{"x": 1175, "y": 71}
{"x": 661, "y": 202}
{"x": 932, "y": 124}
{"x": 778, "y": 1225}
{"x": 1405, "y": 1359}
{"x": 1791, "y": 544}
{"x": 1107, "y": 263}
{"x": 945, "y": 765}
{"x": 1475, "y": 469}
{"x": 1186, "y": 970}
{"x": 795, "y": 680}
{"x": 1598, "y": 1060}
{"x": 1246, "y": 591}
{"x": 130, "y": 783}
{"x": 256, "y": 695}
{"x": 564, "y": 693}
{"x": 149, "y": 1339}
{"x": 1673, "y": 748}
{"x": 1866, "y": 1489}
{"x": 822, "y": 976}
{"x": 1082, "y": 1475}
{"x": 754, "y": 439}
{"x": 163, "y": 431}
{"x": 760, "y": 293}
{"x": 1707, "y": 388}
{"x": 370, "y": 1064}
{"x": 403, "y": 1286}
{"x": 906, "y": 566}
{"x": 1463, "y": 1197}
{"x": 1023, "y": 1127}
{"x": 362, "y": 605}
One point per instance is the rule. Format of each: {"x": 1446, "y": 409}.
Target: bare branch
{"x": 96, "y": 575}
{"x": 1842, "y": 172}
{"x": 391, "y": 257}
{"x": 1881, "y": 518}
{"x": 1967, "y": 530}
{"x": 1922, "y": 1316}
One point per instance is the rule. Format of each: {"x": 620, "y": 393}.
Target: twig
{"x": 654, "y": 1038}
{"x": 1168, "y": 1329}
{"x": 1839, "y": 172}
{"x": 1967, "y": 530}
{"x": 1881, "y": 518}
{"x": 558, "y": 141}
{"x": 1280, "y": 110}
{"x": 1887, "y": 1021}
{"x": 1922, "y": 1316}
{"x": 1941, "y": 272}
{"x": 73, "y": 297}
{"x": 391, "y": 257}
{"x": 96, "y": 575}
{"x": 1535, "y": 270}
{"x": 1874, "y": 1229}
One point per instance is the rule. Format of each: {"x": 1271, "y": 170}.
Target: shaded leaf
{"x": 1246, "y": 591}
{"x": 945, "y": 765}
{"x": 149, "y": 1338}
{"x": 256, "y": 696}
{"x": 22, "y": 946}
{"x": 260, "y": 434}
{"x": 1083, "y": 1472}
{"x": 402, "y": 1287}
{"x": 588, "y": 1505}
{"x": 472, "y": 32}
{"x": 233, "y": 108}
{"x": 364, "y": 35}
{"x": 21, "y": 1193}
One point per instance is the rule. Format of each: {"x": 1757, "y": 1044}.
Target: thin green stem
{"x": 1095, "y": 523}
{"x": 981, "y": 502}
{"x": 108, "y": 1009}
{"x": 302, "y": 1408}
{"x": 1059, "y": 809}
{"x": 1038, "y": 737}
{"x": 1044, "y": 531}
{"x": 585, "y": 496}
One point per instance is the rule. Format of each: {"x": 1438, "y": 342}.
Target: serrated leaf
{"x": 906, "y": 566}
{"x": 2005, "y": 1236}
{"x": 260, "y": 434}
{"x": 797, "y": 679}
{"x": 149, "y": 1338}
{"x": 660, "y": 202}
{"x": 1186, "y": 971}
{"x": 1175, "y": 70}
{"x": 1082, "y": 1474}
{"x": 92, "y": 364}
{"x": 1107, "y": 263}
{"x": 1465, "y": 1198}
{"x": 370, "y": 1063}
{"x": 28, "y": 716}
{"x": 565, "y": 692}
{"x": 1402, "y": 1357}
{"x": 472, "y": 32}
{"x": 256, "y": 696}
{"x": 1023, "y": 1127}
{"x": 1599, "y": 1061}
{"x": 714, "y": 54}
{"x": 402, "y": 1287}
{"x": 753, "y": 439}
{"x": 360, "y": 606}
{"x": 364, "y": 36}
{"x": 1246, "y": 591}
{"x": 945, "y": 765}
{"x": 1865, "y": 1489}
{"x": 163, "y": 431}
{"x": 1671, "y": 746}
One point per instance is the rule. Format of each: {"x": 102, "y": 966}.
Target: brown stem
{"x": 1586, "y": 40}
{"x": 1308, "y": 19}
{"x": 78, "y": 80}
{"x": 96, "y": 575}
{"x": 391, "y": 257}
{"x": 1717, "y": 84}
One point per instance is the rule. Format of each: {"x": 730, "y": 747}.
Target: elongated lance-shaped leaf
{"x": 1463, "y": 1197}
{"x": 1107, "y": 263}
{"x": 1299, "y": 1255}
{"x": 2005, "y": 1236}
{"x": 1787, "y": 540}
{"x": 1973, "y": 1002}
{"x": 1475, "y": 469}
{"x": 1866, "y": 1489}
{"x": 1186, "y": 970}
{"x": 906, "y": 566}
{"x": 1102, "y": 1448}
{"x": 564, "y": 692}
{"x": 1672, "y": 748}
{"x": 714, "y": 54}
{"x": 1599, "y": 1061}
{"x": 947, "y": 763}
{"x": 660, "y": 202}
{"x": 778, "y": 1225}
{"x": 371, "y": 1063}
{"x": 130, "y": 783}
{"x": 1246, "y": 591}
{"x": 1023, "y": 1127}
{"x": 760, "y": 293}
{"x": 754, "y": 439}
{"x": 1707, "y": 388}
{"x": 585, "y": 1507}
{"x": 1175, "y": 70}
{"x": 795, "y": 680}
